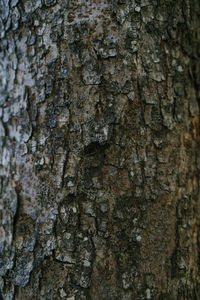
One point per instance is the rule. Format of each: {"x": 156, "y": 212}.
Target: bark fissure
{"x": 99, "y": 149}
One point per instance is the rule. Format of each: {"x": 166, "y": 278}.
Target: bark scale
{"x": 99, "y": 149}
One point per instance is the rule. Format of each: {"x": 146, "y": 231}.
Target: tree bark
{"x": 99, "y": 149}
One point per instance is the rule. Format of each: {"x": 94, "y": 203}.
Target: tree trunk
{"x": 99, "y": 149}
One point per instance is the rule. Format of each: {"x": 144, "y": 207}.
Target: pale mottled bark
{"x": 99, "y": 149}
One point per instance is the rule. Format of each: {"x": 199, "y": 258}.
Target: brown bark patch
{"x": 158, "y": 242}
{"x": 117, "y": 180}
{"x": 195, "y": 127}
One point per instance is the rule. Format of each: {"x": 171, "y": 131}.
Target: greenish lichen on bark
{"x": 99, "y": 149}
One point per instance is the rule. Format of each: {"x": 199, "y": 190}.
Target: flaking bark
{"x": 99, "y": 149}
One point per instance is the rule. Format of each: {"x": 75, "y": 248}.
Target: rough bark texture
{"x": 99, "y": 149}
